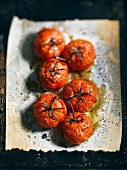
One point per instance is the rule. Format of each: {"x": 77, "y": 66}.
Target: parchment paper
{"x": 21, "y": 130}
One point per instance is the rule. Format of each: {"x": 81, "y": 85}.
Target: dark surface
{"x": 60, "y": 10}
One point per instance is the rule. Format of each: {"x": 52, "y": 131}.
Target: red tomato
{"x": 80, "y": 54}
{"x": 49, "y": 42}
{"x": 49, "y": 110}
{"x": 54, "y": 74}
{"x": 77, "y": 130}
{"x": 80, "y": 94}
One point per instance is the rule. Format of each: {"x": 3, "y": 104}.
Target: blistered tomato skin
{"x": 54, "y": 74}
{"x": 78, "y": 130}
{"x": 80, "y": 54}
{"x": 81, "y": 94}
{"x": 49, "y": 110}
{"x": 48, "y": 43}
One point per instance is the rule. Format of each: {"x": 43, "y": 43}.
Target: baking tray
{"x": 63, "y": 160}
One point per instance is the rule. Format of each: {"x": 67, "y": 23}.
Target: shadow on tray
{"x": 58, "y": 139}
{"x": 28, "y": 120}
{"x": 33, "y": 85}
{"x": 32, "y": 82}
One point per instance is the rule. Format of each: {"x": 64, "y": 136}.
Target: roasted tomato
{"x": 49, "y": 42}
{"x": 54, "y": 74}
{"x": 78, "y": 129}
{"x": 80, "y": 54}
{"x": 80, "y": 95}
{"x": 49, "y": 110}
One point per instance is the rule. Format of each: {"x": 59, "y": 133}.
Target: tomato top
{"x": 77, "y": 130}
{"x": 80, "y": 94}
{"x": 48, "y": 43}
{"x": 49, "y": 110}
{"x": 54, "y": 74}
{"x": 80, "y": 54}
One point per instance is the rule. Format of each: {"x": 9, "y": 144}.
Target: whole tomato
{"x": 80, "y": 94}
{"x": 48, "y": 43}
{"x": 49, "y": 110}
{"x": 80, "y": 54}
{"x": 78, "y": 129}
{"x": 54, "y": 74}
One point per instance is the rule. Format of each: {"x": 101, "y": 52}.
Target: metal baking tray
{"x": 64, "y": 160}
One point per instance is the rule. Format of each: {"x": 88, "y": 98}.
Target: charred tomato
{"x": 78, "y": 129}
{"x": 80, "y": 94}
{"x": 54, "y": 74}
{"x": 80, "y": 54}
{"x": 48, "y": 43}
{"x": 49, "y": 110}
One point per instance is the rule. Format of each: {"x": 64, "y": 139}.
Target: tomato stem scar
{"x": 50, "y": 108}
{"x": 54, "y": 71}
{"x": 79, "y": 94}
{"x": 77, "y": 52}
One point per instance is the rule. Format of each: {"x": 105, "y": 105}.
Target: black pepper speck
{"x": 44, "y": 136}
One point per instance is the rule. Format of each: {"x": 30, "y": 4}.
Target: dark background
{"x": 46, "y": 10}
